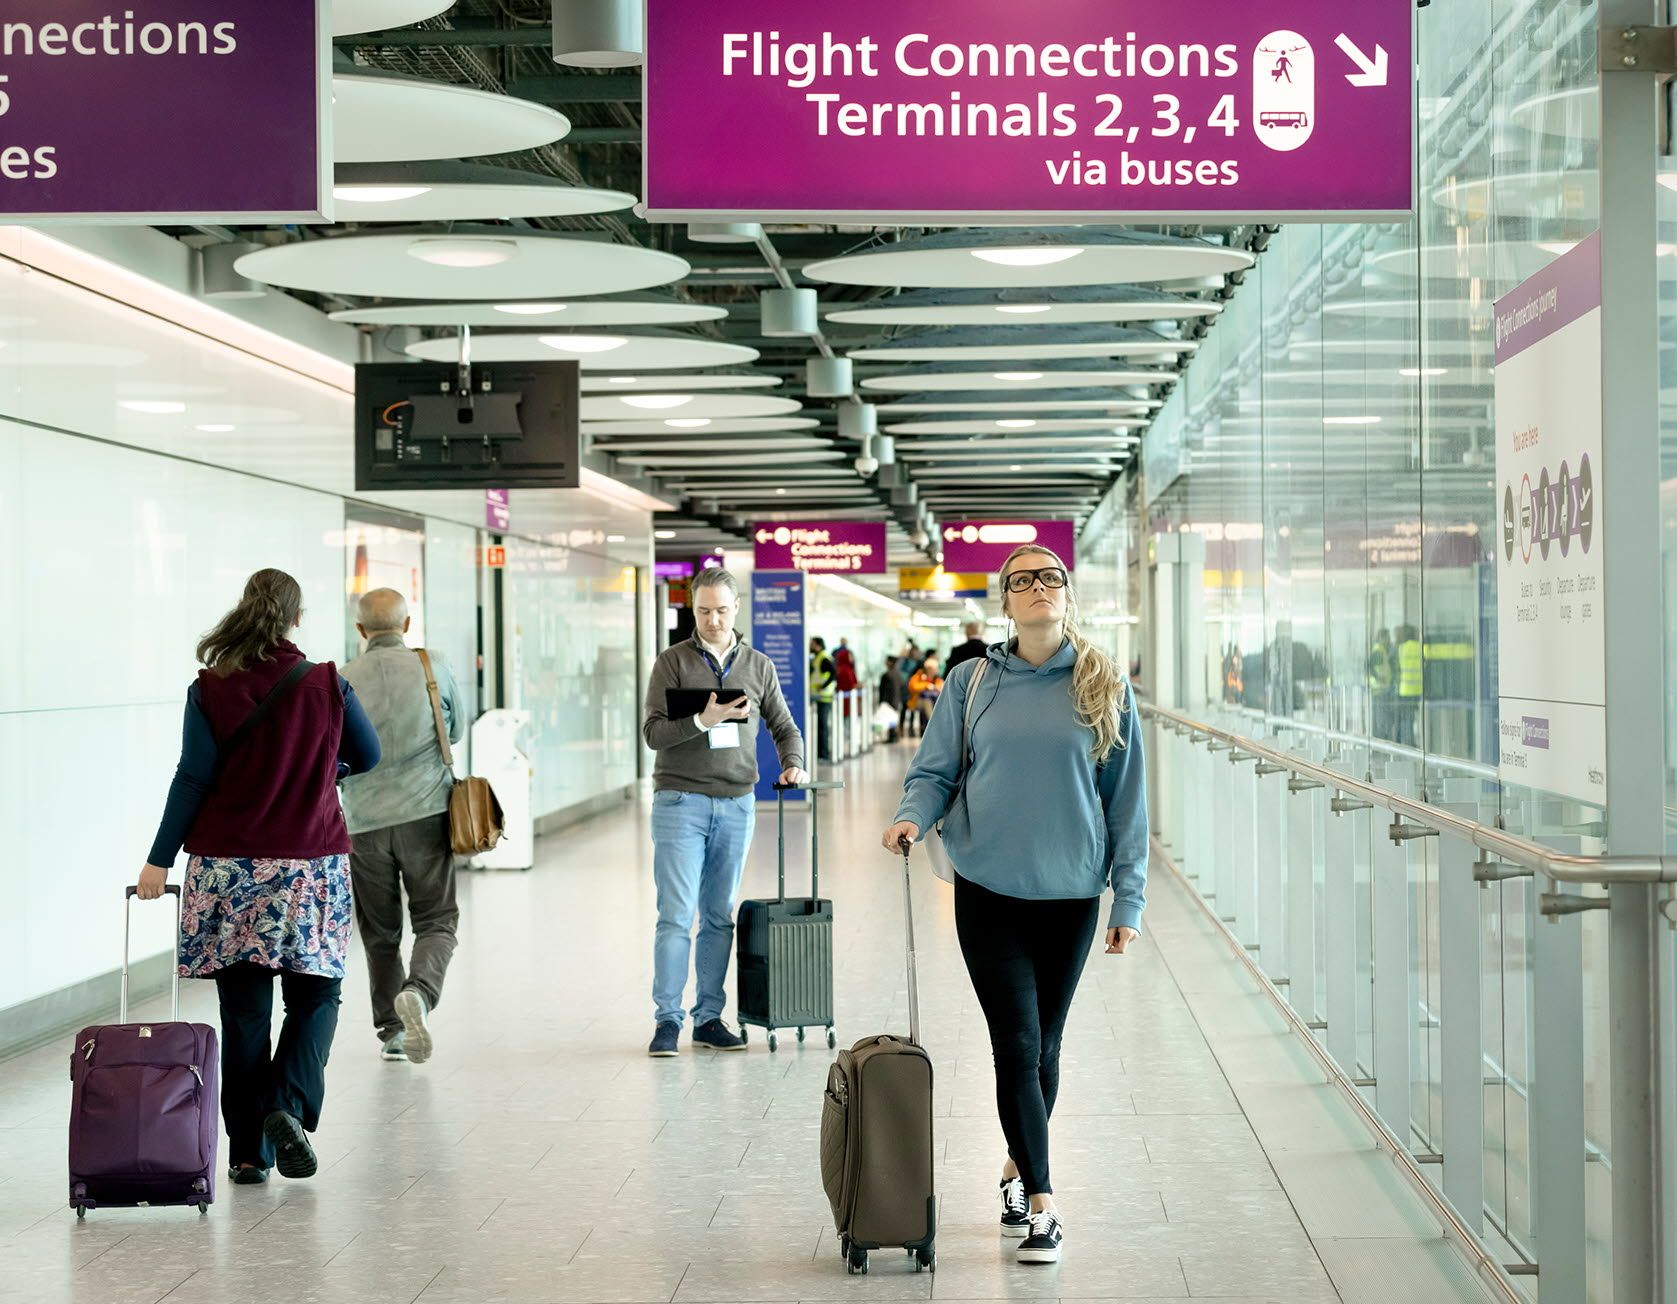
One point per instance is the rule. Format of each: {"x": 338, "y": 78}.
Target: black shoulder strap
{"x": 275, "y": 694}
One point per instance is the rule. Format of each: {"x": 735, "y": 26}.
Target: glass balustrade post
{"x": 1556, "y": 1107}
{"x": 1269, "y": 795}
{"x": 1300, "y": 805}
{"x": 1461, "y": 1018}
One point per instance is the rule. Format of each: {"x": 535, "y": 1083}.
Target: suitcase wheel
{"x": 81, "y": 1212}
{"x": 832, "y": 1039}
{"x": 800, "y": 1034}
{"x": 925, "y": 1260}
{"x": 774, "y": 1043}
{"x": 745, "y": 1033}
{"x": 857, "y": 1261}
{"x": 203, "y": 1206}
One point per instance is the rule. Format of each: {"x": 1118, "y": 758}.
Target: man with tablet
{"x": 704, "y": 701}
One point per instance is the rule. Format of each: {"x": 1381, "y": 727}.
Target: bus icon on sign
{"x": 1283, "y": 120}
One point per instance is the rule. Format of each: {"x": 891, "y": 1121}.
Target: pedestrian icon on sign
{"x": 1284, "y": 90}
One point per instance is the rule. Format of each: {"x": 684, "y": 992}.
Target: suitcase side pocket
{"x": 835, "y": 1123}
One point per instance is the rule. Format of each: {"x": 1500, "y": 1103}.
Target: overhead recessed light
{"x": 621, "y": 380}
{"x": 152, "y": 406}
{"x": 656, "y": 402}
{"x": 687, "y": 423}
{"x": 1019, "y": 375}
{"x": 1027, "y": 255}
{"x": 617, "y": 538}
{"x": 1021, "y": 308}
{"x": 584, "y": 343}
{"x": 1423, "y": 371}
{"x": 215, "y": 429}
{"x": 663, "y": 534}
{"x": 780, "y": 491}
{"x": 378, "y": 194}
{"x": 1017, "y": 423}
{"x": 1350, "y": 421}
{"x": 531, "y": 309}
{"x": 1016, "y": 467}
{"x": 456, "y": 252}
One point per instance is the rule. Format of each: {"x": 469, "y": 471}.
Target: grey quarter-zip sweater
{"x": 686, "y": 762}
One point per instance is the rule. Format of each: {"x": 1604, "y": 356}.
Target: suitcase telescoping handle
{"x": 170, "y": 889}
{"x": 913, "y": 962}
{"x": 815, "y": 787}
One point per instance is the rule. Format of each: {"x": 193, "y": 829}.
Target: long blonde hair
{"x": 1097, "y": 685}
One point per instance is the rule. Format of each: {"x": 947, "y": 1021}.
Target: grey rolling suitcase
{"x": 785, "y": 946}
{"x": 876, "y": 1138}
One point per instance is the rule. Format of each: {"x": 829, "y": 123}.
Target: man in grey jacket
{"x": 398, "y": 823}
{"x": 704, "y": 807}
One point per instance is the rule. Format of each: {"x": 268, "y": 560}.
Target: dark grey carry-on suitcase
{"x": 876, "y": 1138}
{"x": 785, "y": 946}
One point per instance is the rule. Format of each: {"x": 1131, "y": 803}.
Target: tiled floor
{"x": 542, "y": 1156}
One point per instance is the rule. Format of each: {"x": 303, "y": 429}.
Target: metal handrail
{"x": 1505, "y": 846}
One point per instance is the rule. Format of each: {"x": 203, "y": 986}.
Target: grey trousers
{"x": 383, "y": 862}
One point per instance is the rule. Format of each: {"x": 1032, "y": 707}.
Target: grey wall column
{"x": 1632, "y": 110}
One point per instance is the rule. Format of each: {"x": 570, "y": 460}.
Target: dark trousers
{"x": 415, "y": 856}
{"x": 1024, "y": 958}
{"x": 255, "y": 1080}
{"x": 824, "y": 730}
{"x": 1407, "y": 718}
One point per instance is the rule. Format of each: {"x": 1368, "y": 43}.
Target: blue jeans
{"x": 699, "y": 845}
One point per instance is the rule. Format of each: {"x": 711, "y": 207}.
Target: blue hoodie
{"x": 1076, "y": 828}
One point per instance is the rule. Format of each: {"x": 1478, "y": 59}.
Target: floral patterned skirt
{"x": 280, "y": 914}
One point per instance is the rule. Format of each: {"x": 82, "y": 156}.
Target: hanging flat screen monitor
{"x": 515, "y": 428}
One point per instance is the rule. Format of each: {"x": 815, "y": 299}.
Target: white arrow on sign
{"x": 950, "y": 534}
{"x": 763, "y": 536}
{"x": 1373, "y": 70}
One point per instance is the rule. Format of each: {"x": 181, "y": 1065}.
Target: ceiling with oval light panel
{"x": 381, "y": 118}
{"x": 619, "y": 310}
{"x": 595, "y": 352}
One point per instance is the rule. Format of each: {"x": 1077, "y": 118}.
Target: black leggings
{"x": 1025, "y": 958}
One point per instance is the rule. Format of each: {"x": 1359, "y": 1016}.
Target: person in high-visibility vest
{"x": 1382, "y": 683}
{"x": 1408, "y": 685}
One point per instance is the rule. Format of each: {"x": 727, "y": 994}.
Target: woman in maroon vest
{"x": 254, "y": 803}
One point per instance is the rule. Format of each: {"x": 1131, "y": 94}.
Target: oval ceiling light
{"x": 1040, "y": 256}
{"x": 718, "y": 426}
{"x": 451, "y": 191}
{"x": 380, "y": 266}
{"x": 445, "y": 252}
{"x": 679, "y": 383}
{"x": 687, "y": 423}
{"x": 1026, "y": 343}
{"x": 621, "y": 310}
{"x": 629, "y": 407}
{"x": 1053, "y": 374}
{"x": 351, "y": 17}
{"x": 1046, "y": 426}
{"x": 381, "y": 117}
{"x": 1029, "y": 305}
{"x": 1052, "y": 256}
{"x": 658, "y": 402}
{"x": 644, "y": 351}
{"x": 583, "y": 343}
{"x": 1087, "y": 400}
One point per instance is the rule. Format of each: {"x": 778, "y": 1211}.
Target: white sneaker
{"x": 1016, "y": 1209}
{"x": 1043, "y": 1244}
{"x": 412, "y": 1011}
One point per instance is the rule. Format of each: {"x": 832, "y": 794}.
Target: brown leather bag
{"x": 474, "y": 814}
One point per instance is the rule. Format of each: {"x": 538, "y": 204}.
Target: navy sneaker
{"x": 1016, "y": 1209}
{"x": 1043, "y": 1244}
{"x": 716, "y": 1035}
{"x": 293, "y": 1155}
{"x": 394, "y": 1047}
{"x": 250, "y": 1175}
{"x": 664, "y": 1040}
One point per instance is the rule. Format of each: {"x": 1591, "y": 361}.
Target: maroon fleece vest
{"x": 277, "y": 794}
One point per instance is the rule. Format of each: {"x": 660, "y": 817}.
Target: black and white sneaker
{"x": 1016, "y": 1209}
{"x": 1043, "y": 1244}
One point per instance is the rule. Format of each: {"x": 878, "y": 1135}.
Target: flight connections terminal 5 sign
{"x": 165, "y": 111}
{"x": 947, "y": 111}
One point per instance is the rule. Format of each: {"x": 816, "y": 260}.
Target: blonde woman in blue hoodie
{"x": 1052, "y": 717}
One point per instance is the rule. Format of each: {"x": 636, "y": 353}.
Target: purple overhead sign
{"x": 188, "y": 110}
{"x": 981, "y": 547}
{"x": 966, "y": 110}
{"x": 834, "y": 547}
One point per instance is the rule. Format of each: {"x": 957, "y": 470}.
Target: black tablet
{"x": 683, "y": 702}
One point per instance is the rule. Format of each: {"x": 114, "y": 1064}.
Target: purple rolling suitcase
{"x": 143, "y": 1127}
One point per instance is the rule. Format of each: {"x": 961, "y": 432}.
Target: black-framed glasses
{"x": 1052, "y": 577}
